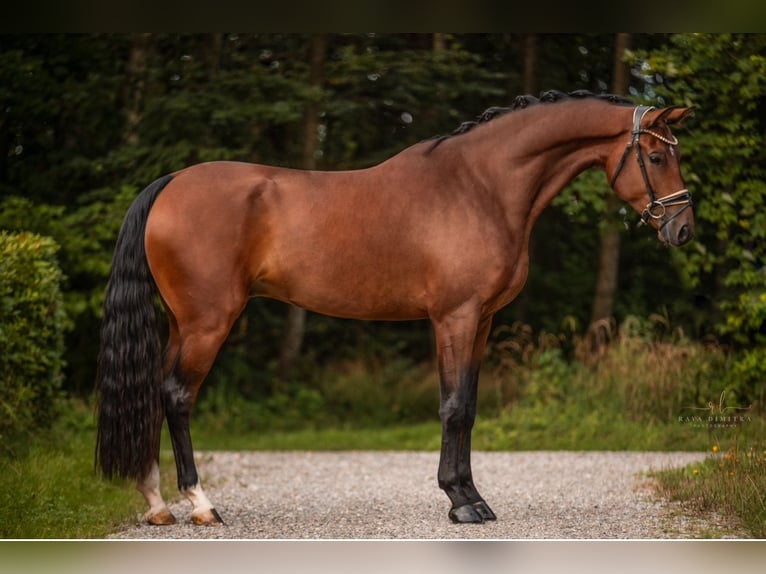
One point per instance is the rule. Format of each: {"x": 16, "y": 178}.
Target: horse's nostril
{"x": 684, "y": 234}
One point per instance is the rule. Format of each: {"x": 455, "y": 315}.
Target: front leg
{"x": 461, "y": 339}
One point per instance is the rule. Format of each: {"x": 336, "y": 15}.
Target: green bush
{"x": 32, "y": 324}
{"x": 747, "y": 377}
{"x": 348, "y": 394}
{"x": 640, "y": 374}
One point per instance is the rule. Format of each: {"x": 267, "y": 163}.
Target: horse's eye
{"x": 656, "y": 158}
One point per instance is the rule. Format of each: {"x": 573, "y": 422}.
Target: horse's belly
{"x": 352, "y": 298}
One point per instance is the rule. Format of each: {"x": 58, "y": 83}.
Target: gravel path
{"x": 394, "y": 495}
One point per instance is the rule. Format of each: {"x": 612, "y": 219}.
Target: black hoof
{"x": 465, "y": 514}
{"x": 483, "y": 510}
{"x": 220, "y": 520}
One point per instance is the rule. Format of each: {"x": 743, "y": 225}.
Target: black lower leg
{"x": 178, "y": 404}
{"x": 451, "y": 482}
{"x": 458, "y": 412}
{"x": 466, "y": 477}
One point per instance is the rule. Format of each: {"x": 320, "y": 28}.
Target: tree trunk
{"x": 295, "y": 325}
{"x": 135, "y": 85}
{"x": 530, "y": 64}
{"x": 609, "y": 259}
{"x": 529, "y": 74}
{"x": 439, "y": 42}
{"x": 213, "y": 54}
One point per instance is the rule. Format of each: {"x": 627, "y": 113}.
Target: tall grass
{"x": 731, "y": 484}
{"x": 362, "y": 393}
{"x": 614, "y": 387}
{"x": 49, "y": 488}
{"x": 629, "y": 387}
{"x": 633, "y": 371}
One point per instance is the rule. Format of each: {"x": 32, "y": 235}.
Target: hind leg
{"x": 189, "y": 357}
{"x": 159, "y": 514}
{"x": 178, "y": 404}
{"x": 197, "y": 248}
{"x": 179, "y": 399}
{"x": 200, "y": 341}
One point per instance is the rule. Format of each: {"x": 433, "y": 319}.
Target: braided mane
{"x": 521, "y": 102}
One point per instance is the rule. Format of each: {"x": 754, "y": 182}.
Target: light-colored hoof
{"x": 207, "y": 517}
{"x": 162, "y": 518}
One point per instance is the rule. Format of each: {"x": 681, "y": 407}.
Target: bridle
{"x": 656, "y": 208}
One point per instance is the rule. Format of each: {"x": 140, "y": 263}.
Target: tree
{"x": 609, "y": 251}
{"x": 135, "y": 85}
{"x": 724, "y": 77}
{"x": 87, "y": 121}
{"x": 530, "y": 63}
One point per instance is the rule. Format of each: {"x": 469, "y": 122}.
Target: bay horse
{"x": 439, "y": 231}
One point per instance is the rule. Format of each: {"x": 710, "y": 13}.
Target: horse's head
{"x": 653, "y": 184}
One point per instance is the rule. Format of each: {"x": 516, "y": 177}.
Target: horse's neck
{"x": 541, "y": 152}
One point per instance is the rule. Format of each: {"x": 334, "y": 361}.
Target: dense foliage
{"x": 724, "y": 77}
{"x": 32, "y": 324}
{"x": 86, "y": 121}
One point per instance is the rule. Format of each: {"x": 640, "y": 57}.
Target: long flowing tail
{"x": 129, "y": 373}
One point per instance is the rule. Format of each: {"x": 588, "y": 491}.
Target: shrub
{"x": 639, "y": 372}
{"x": 747, "y": 377}
{"x": 32, "y": 325}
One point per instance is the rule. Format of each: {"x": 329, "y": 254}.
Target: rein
{"x": 656, "y": 208}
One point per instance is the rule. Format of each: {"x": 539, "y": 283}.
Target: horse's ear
{"x": 672, "y": 115}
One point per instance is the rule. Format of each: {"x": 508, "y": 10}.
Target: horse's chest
{"x": 510, "y": 284}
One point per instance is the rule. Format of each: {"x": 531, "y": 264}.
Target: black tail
{"x": 129, "y": 373}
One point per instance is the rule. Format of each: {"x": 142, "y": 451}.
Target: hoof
{"x": 483, "y": 510}
{"x": 465, "y": 514}
{"x": 162, "y": 518}
{"x": 209, "y": 517}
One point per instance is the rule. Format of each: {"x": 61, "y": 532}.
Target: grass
{"x": 729, "y": 484}
{"x": 423, "y": 436}
{"x": 523, "y": 429}
{"x": 50, "y": 489}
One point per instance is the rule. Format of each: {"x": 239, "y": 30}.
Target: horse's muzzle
{"x": 676, "y": 235}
